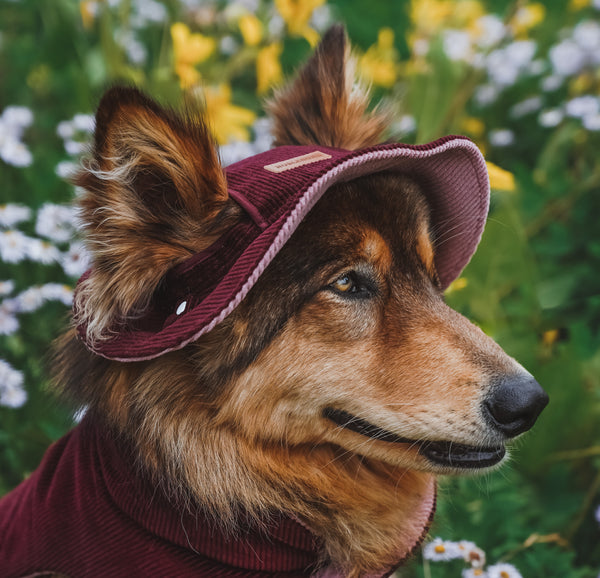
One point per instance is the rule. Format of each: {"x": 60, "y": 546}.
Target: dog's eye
{"x": 352, "y": 285}
{"x": 345, "y": 284}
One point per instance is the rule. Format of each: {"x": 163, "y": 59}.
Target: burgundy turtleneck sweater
{"x": 86, "y": 512}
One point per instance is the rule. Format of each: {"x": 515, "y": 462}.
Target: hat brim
{"x": 201, "y": 292}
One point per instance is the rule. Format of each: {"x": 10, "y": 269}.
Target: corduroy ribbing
{"x": 87, "y": 512}
{"x": 454, "y": 179}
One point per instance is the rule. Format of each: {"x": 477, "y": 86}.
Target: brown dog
{"x": 298, "y": 433}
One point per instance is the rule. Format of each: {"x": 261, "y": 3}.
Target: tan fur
{"x": 234, "y": 421}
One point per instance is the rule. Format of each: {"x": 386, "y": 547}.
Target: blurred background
{"x": 522, "y": 79}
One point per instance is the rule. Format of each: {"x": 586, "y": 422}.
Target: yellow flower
{"x": 87, "y": 9}
{"x": 189, "y": 49}
{"x": 576, "y": 5}
{"x": 378, "y": 64}
{"x": 527, "y": 17}
{"x": 467, "y": 13}
{"x": 296, "y": 14}
{"x": 268, "y": 67}
{"x": 227, "y": 121}
{"x": 429, "y": 16}
{"x": 458, "y": 284}
{"x": 251, "y": 28}
{"x": 500, "y": 179}
{"x": 549, "y": 337}
{"x": 473, "y": 126}
{"x": 582, "y": 83}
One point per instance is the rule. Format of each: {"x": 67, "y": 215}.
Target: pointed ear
{"x": 326, "y": 105}
{"x": 155, "y": 194}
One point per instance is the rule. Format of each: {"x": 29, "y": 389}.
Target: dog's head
{"x": 343, "y": 347}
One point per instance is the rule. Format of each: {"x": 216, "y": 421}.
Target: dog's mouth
{"x": 441, "y": 453}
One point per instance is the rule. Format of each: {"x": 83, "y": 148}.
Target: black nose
{"x": 515, "y": 403}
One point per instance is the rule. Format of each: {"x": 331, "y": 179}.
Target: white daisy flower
{"x": 486, "y": 94}
{"x": 76, "y": 261}
{"x": 11, "y": 214}
{"x": 57, "y": 292}
{"x": 228, "y": 45}
{"x": 465, "y": 545}
{"x": 551, "y": 117}
{"x": 406, "y": 124}
{"x": 472, "y": 554}
{"x": 439, "y": 550}
{"x": 13, "y": 246}
{"x": 505, "y": 65}
{"x": 13, "y": 397}
{"x": 276, "y": 26}
{"x": 537, "y": 67}
{"x": 567, "y": 58}
{"x": 136, "y": 51}
{"x": 148, "y": 11}
{"x": 587, "y": 35}
{"x": 500, "y": 69}
{"x": 526, "y": 107}
{"x": 249, "y": 5}
{"x": 65, "y": 129}
{"x": 9, "y": 324}
{"x": 552, "y": 83}
{"x": 65, "y": 169}
{"x": 29, "y": 300}
{"x": 503, "y": 571}
{"x": 474, "y": 573}
{"x": 492, "y": 30}
{"x": 591, "y": 122}
{"x": 322, "y": 18}
{"x": 14, "y": 152}
{"x": 582, "y": 106}
{"x": 501, "y": 137}
{"x": 6, "y": 287}
{"x": 18, "y": 117}
{"x": 42, "y": 252}
{"x": 12, "y": 393}
{"x": 457, "y": 45}
{"x": 84, "y": 122}
{"x": 74, "y": 147}
{"x": 56, "y": 222}
{"x": 263, "y": 135}
{"x": 235, "y": 151}
{"x": 521, "y": 52}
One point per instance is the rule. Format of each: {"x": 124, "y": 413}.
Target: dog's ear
{"x": 326, "y": 105}
{"x": 154, "y": 195}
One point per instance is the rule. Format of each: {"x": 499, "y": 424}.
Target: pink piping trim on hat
{"x": 304, "y": 205}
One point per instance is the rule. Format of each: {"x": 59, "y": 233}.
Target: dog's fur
{"x": 349, "y": 315}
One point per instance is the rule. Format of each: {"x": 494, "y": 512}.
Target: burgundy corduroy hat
{"x": 277, "y": 189}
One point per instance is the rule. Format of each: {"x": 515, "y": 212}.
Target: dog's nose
{"x": 515, "y": 403}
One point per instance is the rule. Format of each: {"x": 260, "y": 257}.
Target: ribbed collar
{"x": 285, "y": 546}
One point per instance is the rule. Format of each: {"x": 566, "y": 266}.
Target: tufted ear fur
{"x": 326, "y": 105}
{"x": 155, "y": 194}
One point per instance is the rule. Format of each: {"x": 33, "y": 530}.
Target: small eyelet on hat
{"x": 181, "y": 308}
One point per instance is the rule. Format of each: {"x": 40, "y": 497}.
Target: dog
{"x": 272, "y": 378}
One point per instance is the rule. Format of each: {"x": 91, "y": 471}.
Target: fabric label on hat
{"x": 289, "y": 164}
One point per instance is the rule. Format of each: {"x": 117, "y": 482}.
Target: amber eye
{"x": 354, "y": 285}
{"x": 345, "y": 284}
